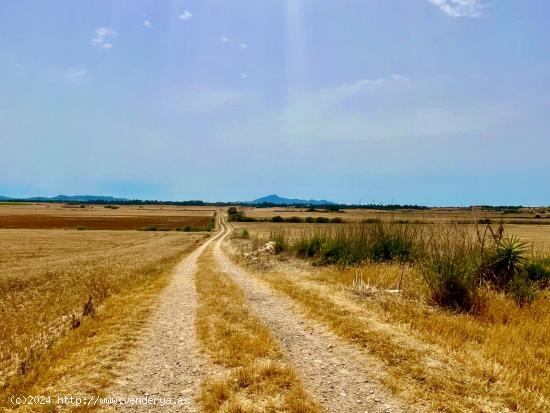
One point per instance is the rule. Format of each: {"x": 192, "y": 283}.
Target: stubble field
{"x": 57, "y": 284}
{"x": 104, "y": 217}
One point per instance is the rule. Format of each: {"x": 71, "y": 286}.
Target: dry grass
{"x": 496, "y": 360}
{"x": 505, "y": 348}
{"x": 46, "y": 277}
{"x": 84, "y": 362}
{"x": 257, "y": 380}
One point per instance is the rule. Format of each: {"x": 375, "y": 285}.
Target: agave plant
{"x": 509, "y": 258}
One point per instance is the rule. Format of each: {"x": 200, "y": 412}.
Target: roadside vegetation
{"x": 453, "y": 261}
{"x": 257, "y": 379}
{"x": 458, "y": 314}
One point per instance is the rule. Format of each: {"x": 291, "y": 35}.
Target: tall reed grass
{"x": 353, "y": 244}
{"x": 454, "y": 260}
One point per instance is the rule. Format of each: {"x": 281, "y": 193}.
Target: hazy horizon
{"x": 431, "y": 102}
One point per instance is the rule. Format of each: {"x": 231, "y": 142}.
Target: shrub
{"x": 521, "y": 289}
{"x": 450, "y": 285}
{"x": 280, "y": 239}
{"x": 339, "y": 251}
{"x": 392, "y": 247}
{"x": 322, "y": 220}
{"x": 211, "y": 223}
{"x": 337, "y": 220}
{"x": 296, "y": 220}
{"x": 245, "y": 234}
{"x": 309, "y": 220}
{"x": 277, "y": 218}
{"x": 450, "y": 270}
{"x": 535, "y": 271}
{"x": 309, "y": 247}
{"x": 235, "y": 215}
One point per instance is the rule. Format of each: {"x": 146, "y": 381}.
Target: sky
{"x": 433, "y": 102}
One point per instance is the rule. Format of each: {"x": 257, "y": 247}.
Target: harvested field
{"x": 47, "y": 276}
{"x": 37, "y": 221}
{"x": 57, "y": 216}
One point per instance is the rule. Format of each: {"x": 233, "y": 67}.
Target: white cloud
{"x": 226, "y": 40}
{"x": 390, "y": 107}
{"x": 186, "y": 15}
{"x": 460, "y": 8}
{"x": 101, "y": 36}
{"x": 71, "y": 75}
{"x": 244, "y": 75}
{"x": 392, "y": 82}
{"x": 146, "y": 23}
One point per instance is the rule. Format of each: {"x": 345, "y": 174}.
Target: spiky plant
{"x": 509, "y": 259}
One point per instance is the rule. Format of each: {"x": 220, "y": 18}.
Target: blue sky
{"x": 436, "y": 102}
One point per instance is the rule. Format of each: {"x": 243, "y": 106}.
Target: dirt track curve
{"x": 167, "y": 361}
{"x": 335, "y": 373}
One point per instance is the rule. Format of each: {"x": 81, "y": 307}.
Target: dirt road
{"x": 168, "y": 363}
{"x": 337, "y": 375}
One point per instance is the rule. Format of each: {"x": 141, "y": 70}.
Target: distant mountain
{"x": 4, "y": 198}
{"x": 277, "y": 200}
{"x": 69, "y": 198}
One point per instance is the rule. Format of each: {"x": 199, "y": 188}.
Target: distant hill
{"x": 4, "y": 198}
{"x": 277, "y": 200}
{"x": 69, "y": 198}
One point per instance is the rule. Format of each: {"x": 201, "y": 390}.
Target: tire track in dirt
{"x": 167, "y": 361}
{"x": 340, "y": 377}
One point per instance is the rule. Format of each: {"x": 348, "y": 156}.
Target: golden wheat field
{"x": 55, "y": 284}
